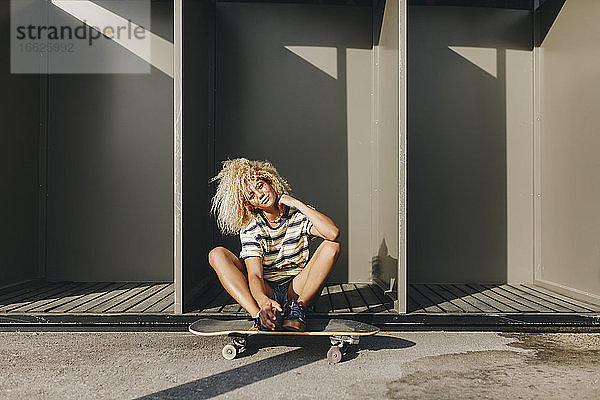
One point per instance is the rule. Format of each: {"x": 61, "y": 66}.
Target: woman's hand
{"x": 267, "y": 315}
{"x": 287, "y": 200}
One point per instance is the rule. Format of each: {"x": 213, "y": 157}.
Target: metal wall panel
{"x": 197, "y": 148}
{"x": 461, "y": 114}
{"x": 568, "y": 188}
{"x": 110, "y": 175}
{"x": 19, "y": 167}
{"x": 291, "y": 105}
{"x": 389, "y": 134}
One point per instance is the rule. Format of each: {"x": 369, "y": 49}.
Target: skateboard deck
{"x": 342, "y": 333}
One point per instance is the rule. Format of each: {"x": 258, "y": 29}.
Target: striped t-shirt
{"x": 283, "y": 249}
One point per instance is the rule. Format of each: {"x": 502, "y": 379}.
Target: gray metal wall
{"x": 389, "y": 134}
{"x": 271, "y": 104}
{"x": 19, "y": 154}
{"x": 110, "y": 173}
{"x": 457, "y": 140}
{"x": 198, "y": 150}
{"x": 568, "y": 220}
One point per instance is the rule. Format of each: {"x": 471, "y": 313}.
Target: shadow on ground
{"x": 308, "y": 350}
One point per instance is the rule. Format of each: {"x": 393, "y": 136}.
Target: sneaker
{"x": 295, "y": 317}
{"x": 256, "y": 326}
{"x": 278, "y": 320}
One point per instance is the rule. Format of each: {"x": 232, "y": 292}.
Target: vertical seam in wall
{"x": 43, "y": 161}
{"x": 372, "y": 114}
{"x": 374, "y": 156}
{"x": 177, "y": 156}
{"x": 401, "y": 305}
{"x": 213, "y": 99}
{"x": 536, "y": 164}
{"x": 534, "y": 29}
{"x": 44, "y": 202}
{"x": 374, "y": 6}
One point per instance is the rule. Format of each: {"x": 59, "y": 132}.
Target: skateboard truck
{"x": 342, "y": 334}
{"x": 230, "y": 351}
{"x": 339, "y": 346}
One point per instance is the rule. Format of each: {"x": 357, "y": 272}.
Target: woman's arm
{"x": 255, "y": 279}
{"x": 257, "y": 289}
{"x": 323, "y": 225}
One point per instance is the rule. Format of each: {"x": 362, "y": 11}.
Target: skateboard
{"x": 342, "y": 334}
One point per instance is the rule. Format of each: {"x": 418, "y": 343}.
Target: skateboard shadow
{"x": 236, "y": 378}
{"x": 370, "y": 343}
{"x": 377, "y": 342}
{"x": 308, "y": 351}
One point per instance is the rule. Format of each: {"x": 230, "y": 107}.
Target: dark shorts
{"x": 280, "y": 292}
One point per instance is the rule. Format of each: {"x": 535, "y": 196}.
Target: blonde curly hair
{"x": 229, "y": 204}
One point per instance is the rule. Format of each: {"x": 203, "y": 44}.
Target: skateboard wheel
{"x": 229, "y": 352}
{"x": 334, "y": 355}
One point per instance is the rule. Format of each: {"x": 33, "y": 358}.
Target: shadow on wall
{"x": 457, "y": 126}
{"x": 545, "y": 15}
{"x": 282, "y": 96}
{"x": 384, "y": 269}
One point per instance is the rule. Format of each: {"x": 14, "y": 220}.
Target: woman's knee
{"x": 221, "y": 259}
{"x": 216, "y": 255}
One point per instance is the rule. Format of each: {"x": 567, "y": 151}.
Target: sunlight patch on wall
{"x": 324, "y": 58}
{"x": 483, "y": 57}
{"x": 158, "y": 52}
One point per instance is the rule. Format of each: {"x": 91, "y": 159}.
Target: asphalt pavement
{"x": 398, "y": 365}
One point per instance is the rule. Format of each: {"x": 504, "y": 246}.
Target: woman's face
{"x": 261, "y": 195}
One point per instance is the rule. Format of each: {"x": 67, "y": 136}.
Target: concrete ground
{"x": 412, "y": 365}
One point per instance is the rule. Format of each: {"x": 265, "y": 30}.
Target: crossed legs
{"x": 305, "y": 287}
{"x": 232, "y": 274}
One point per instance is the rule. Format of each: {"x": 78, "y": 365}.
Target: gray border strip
{"x": 177, "y": 153}
{"x": 532, "y": 322}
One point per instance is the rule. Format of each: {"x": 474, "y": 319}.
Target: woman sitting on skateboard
{"x": 273, "y": 274}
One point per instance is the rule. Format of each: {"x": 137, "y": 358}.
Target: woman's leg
{"x": 232, "y": 274}
{"x": 307, "y": 285}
